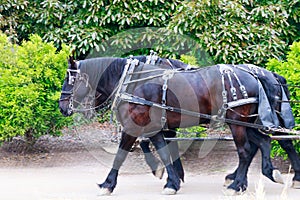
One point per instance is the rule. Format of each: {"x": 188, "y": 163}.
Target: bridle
{"x": 73, "y": 75}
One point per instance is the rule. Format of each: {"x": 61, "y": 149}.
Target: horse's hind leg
{"x": 110, "y": 183}
{"x": 263, "y": 142}
{"x": 151, "y": 160}
{"x": 287, "y": 145}
{"x": 230, "y": 177}
{"x": 173, "y": 181}
{"x": 243, "y": 148}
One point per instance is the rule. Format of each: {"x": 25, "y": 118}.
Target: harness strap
{"x": 152, "y": 58}
{"x": 129, "y": 65}
{"x": 242, "y": 87}
{"x": 141, "y": 101}
{"x": 228, "y": 71}
{"x": 146, "y": 78}
{"x": 168, "y": 74}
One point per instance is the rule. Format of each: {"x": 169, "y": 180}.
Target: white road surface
{"x": 79, "y": 183}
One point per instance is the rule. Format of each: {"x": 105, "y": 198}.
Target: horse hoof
{"x": 277, "y": 176}
{"x": 104, "y": 192}
{"x": 160, "y": 171}
{"x": 227, "y": 182}
{"x": 169, "y": 191}
{"x": 296, "y": 185}
{"x": 231, "y": 192}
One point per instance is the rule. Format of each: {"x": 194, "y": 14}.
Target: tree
{"x": 239, "y": 31}
{"x": 11, "y": 15}
{"x": 84, "y": 24}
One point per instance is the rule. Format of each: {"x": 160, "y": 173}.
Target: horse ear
{"x": 71, "y": 61}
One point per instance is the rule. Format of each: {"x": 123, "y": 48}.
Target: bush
{"x": 30, "y": 85}
{"x": 290, "y": 69}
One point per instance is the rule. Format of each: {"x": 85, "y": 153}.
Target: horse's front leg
{"x": 240, "y": 182}
{"x": 173, "y": 181}
{"x": 110, "y": 183}
{"x": 174, "y": 150}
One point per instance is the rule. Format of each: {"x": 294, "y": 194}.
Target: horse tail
{"x": 269, "y": 82}
{"x": 282, "y": 81}
{"x": 286, "y": 115}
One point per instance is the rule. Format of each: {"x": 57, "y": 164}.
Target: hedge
{"x": 30, "y": 85}
{"x": 290, "y": 69}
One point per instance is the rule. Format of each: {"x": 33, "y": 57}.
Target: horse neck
{"x": 111, "y": 77}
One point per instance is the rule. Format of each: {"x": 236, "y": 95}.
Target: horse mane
{"x": 140, "y": 58}
{"x": 175, "y": 62}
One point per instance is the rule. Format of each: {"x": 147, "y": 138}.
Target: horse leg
{"x": 243, "y": 148}
{"x": 287, "y": 145}
{"x": 229, "y": 179}
{"x": 174, "y": 150}
{"x": 173, "y": 181}
{"x": 263, "y": 142}
{"x": 125, "y": 145}
{"x": 151, "y": 160}
{"x": 154, "y": 163}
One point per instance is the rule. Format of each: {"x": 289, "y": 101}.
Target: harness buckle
{"x": 233, "y": 92}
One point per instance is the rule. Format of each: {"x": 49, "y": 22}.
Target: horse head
{"x": 66, "y": 98}
{"x": 86, "y": 86}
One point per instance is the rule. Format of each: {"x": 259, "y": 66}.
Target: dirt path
{"x": 70, "y": 166}
{"x": 79, "y": 182}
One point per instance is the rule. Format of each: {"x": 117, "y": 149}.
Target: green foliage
{"x": 290, "y": 69}
{"x": 86, "y": 23}
{"x": 195, "y": 131}
{"x": 191, "y": 60}
{"x": 231, "y": 31}
{"x": 239, "y": 31}
{"x": 12, "y": 13}
{"x": 30, "y": 85}
{"x": 140, "y": 41}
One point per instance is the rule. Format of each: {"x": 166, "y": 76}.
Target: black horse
{"x": 101, "y": 98}
{"x": 136, "y": 119}
{"x": 256, "y": 139}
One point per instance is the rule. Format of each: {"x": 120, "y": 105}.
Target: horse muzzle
{"x": 65, "y": 108}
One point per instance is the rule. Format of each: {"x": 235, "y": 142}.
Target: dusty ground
{"x": 68, "y": 167}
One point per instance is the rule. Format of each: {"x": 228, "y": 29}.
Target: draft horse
{"x": 256, "y": 138}
{"x": 202, "y": 95}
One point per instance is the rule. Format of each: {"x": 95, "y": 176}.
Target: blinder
{"x": 73, "y": 74}
{"x": 72, "y": 78}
